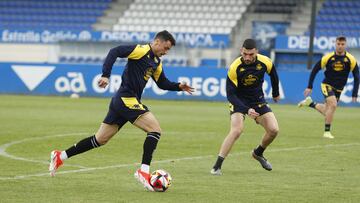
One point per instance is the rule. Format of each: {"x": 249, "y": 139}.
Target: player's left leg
{"x": 236, "y": 128}
{"x": 101, "y": 137}
{"x": 151, "y": 126}
{"x": 270, "y": 124}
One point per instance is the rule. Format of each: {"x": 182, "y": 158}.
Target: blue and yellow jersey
{"x": 244, "y": 81}
{"x": 336, "y": 69}
{"x": 142, "y": 64}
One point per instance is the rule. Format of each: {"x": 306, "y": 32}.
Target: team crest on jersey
{"x": 338, "y": 66}
{"x": 149, "y": 72}
{"x": 249, "y": 80}
{"x": 258, "y": 66}
{"x": 346, "y": 60}
{"x": 242, "y": 69}
{"x": 333, "y": 59}
{"x": 156, "y": 60}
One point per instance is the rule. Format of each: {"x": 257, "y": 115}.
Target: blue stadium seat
{"x": 51, "y": 14}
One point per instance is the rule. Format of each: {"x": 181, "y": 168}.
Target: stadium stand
{"x": 338, "y": 18}
{"x": 205, "y": 16}
{"x": 51, "y": 14}
{"x": 275, "y": 6}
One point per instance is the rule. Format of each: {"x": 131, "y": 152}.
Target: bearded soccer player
{"x": 337, "y": 66}
{"x": 143, "y": 62}
{"x": 244, "y": 91}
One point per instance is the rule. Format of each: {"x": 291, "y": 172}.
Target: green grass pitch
{"x": 306, "y": 167}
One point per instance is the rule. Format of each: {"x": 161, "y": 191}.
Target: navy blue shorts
{"x": 261, "y": 108}
{"x": 328, "y": 91}
{"x": 124, "y": 109}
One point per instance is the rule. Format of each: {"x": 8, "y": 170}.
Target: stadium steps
{"x": 111, "y": 16}
{"x": 301, "y": 20}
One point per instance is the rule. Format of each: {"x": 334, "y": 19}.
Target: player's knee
{"x": 235, "y": 133}
{"x": 332, "y": 105}
{"x": 273, "y": 131}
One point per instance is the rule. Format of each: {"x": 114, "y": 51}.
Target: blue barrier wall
{"x": 321, "y": 43}
{"x": 65, "y": 79}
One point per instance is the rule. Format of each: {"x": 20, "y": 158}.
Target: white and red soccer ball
{"x": 160, "y": 180}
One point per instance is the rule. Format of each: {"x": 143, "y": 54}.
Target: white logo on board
{"x": 32, "y": 76}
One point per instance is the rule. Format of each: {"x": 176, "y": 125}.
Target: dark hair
{"x": 341, "y": 38}
{"x": 165, "y": 36}
{"x": 249, "y": 44}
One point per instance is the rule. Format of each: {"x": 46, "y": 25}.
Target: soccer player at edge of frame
{"x": 143, "y": 62}
{"x": 244, "y": 91}
{"x": 337, "y": 65}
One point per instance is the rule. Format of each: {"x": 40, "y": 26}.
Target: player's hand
{"x": 252, "y": 113}
{"x": 103, "y": 82}
{"x": 276, "y": 99}
{"x": 354, "y": 99}
{"x": 307, "y": 92}
{"x": 186, "y": 88}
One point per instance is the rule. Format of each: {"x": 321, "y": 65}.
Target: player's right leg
{"x": 151, "y": 126}
{"x": 236, "y": 127}
{"x": 102, "y": 136}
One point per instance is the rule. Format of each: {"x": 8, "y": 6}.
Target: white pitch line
{"x": 7, "y": 155}
{"x": 178, "y": 159}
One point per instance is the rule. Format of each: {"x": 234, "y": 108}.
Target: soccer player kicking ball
{"x": 244, "y": 91}
{"x": 337, "y": 66}
{"x": 143, "y": 62}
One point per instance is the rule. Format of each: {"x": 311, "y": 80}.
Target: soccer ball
{"x": 160, "y": 180}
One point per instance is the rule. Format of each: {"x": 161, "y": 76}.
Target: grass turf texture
{"x": 306, "y": 167}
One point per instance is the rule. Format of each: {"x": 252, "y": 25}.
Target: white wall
{"x": 28, "y": 53}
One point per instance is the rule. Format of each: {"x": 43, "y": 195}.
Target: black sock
{"x": 82, "y": 146}
{"x": 312, "y": 104}
{"x": 259, "y": 150}
{"x": 218, "y": 162}
{"x": 150, "y": 146}
{"x": 327, "y": 127}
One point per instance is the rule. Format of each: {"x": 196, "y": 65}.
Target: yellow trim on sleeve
{"x": 267, "y": 61}
{"x": 157, "y": 72}
{"x": 352, "y": 61}
{"x": 139, "y": 51}
{"x": 232, "y": 71}
{"x": 325, "y": 59}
